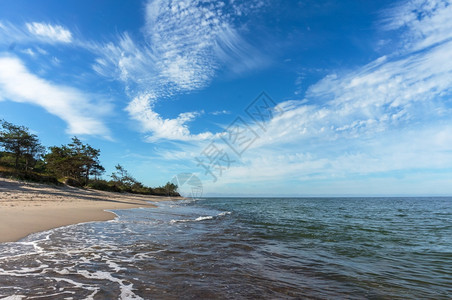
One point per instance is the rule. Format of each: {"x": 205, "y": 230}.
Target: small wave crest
{"x": 201, "y": 218}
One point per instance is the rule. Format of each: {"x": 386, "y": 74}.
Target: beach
{"x": 27, "y": 208}
{"x": 240, "y": 248}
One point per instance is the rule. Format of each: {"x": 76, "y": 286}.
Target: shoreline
{"x": 27, "y": 208}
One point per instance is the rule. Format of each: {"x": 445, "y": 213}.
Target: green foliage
{"x": 124, "y": 180}
{"x": 103, "y": 185}
{"x": 112, "y": 186}
{"x": 72, "y": 182}
{"x": 12, "y": 173}
{"x": 7, "y": 159}
{"x": 74, "y": 164}
{"x": 40, "y": 166}
{"x": 75, "y": 160}
{"x": 19, "y": 143}
{"x": 169, "y": 189}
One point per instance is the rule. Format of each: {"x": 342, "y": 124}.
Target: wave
{"x": 201, "y": 218}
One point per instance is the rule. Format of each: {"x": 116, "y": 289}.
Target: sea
{"x": 243, "y": 248}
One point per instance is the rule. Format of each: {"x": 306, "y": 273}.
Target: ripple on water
{"x": 243, "y": 248}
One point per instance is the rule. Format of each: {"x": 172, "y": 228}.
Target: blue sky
{"x": 357, "y": 93}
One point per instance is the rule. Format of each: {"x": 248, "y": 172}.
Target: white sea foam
{"x": 114, "y": 266}
{"x": 126, "y": 290}
{"x": 113, "y": 212}
{"x": 23, "y": 272}
{"x": 191, "y": 220}
{"x": 79, "y": 285}
{"x": 201, "y": 218}
{"x": 204, "y": 218}
{"x": 14, "y": 297}
{"x": 50, "y": 296}
{"x": 62, "y": 272}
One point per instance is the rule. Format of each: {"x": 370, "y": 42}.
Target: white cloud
{"x": 126, "y": 62}
{"x": 387, "y": 94}
{"x": 51, "y": 32}
{"x": 422, "y": 23}
{"x": 310, "y": 165}
{"x": 193, "y": 39}
{"x": 34, "y": 32}
{"x": 387, "y": 122}
{"x": 141, "y": 109}
{"x": 186, "y": 43}
{"x": 41, "y": 51}
{"x": 389, "y": 118}
{"x": 73, "y": 106}
{"x": 10, "y": 34}
{"x": 29, "y": 52}
{"x": 220, "y": 112}
{"x": 407, "y": 149}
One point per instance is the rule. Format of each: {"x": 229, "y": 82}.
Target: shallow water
{"x": 315, "y": 248}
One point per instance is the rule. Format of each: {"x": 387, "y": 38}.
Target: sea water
{"x": 242, "y": 248}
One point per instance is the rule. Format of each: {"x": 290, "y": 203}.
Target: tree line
{"x": 77, "y": 164}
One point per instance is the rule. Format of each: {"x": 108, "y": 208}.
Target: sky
{"x": 255, "y": 98}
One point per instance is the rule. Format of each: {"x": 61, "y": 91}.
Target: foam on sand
{"x": 27, "y": 208}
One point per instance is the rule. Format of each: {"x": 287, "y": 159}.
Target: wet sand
{"x": 27, "y": 208}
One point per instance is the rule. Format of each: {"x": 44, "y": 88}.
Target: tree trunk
{"x": 87, "y": 176}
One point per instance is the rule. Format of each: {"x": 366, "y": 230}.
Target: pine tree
{"x": 22, "y": 144}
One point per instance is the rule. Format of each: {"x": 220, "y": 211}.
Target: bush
{"x": 137, "y": 188}
{"x": 72, "y": 182}
{"x": 160, "y": 191}
{"x": 28, "y": 176}
{"x": 103, "y": 185}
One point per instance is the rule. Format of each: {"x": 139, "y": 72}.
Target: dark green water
{"x": 353, "y": 247}
{"x": 243, "y": 248}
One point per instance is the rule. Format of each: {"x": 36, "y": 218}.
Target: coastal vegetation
{"x": 23, "y": 157}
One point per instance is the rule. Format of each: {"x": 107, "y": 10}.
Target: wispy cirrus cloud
{"x": 220, "y": 112}
{"x": 391, "y": 155}
{"x": 420, "y": 23}
{"x": 74, "y": 106}
{"x": 390, "y": 117}
{"x": 392, "y": 90}
{"x": 34, "y": 32}
{"x": 53, "y": 33}
{"x": 192, "y": 40}
{"x": 186, "y": 43}
{"x": 29, "y": 52}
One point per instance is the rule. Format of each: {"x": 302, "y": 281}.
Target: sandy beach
{"x": 27, "y": 208}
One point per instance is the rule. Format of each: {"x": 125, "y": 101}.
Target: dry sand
{"x": 27, "y": 208}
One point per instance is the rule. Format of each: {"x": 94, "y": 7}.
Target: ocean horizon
{"x": 242, "y": 248}
{"x": 342, "y": 106}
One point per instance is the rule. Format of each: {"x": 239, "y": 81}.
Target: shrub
{"x": 72, "y": 182}
{"x": 103, "y": 185}
{"x": 28, "y": 176}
